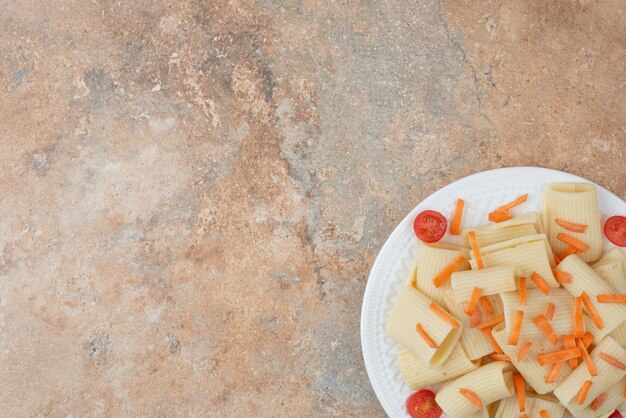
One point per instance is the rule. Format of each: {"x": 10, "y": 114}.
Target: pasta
{"x": 607, "y": 378}
{"x": 613, "y": 273}
{"x": 573, "y": 202}
{"x": 519, "y": 226}
{"x": 491, "y": 281}
{"x": 417, "y": 376}
{"x": 491, "y": 383}
{"x": 529, "y": 254}
{"x": 433, "y": 258}
{"x": 534, "y": 403}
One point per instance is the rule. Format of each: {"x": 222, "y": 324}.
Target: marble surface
{"x": 192, "y": 193}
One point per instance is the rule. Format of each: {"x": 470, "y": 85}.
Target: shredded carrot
{"x": 568, "y": 251}
{"x": 422, "y": 332}
{"x": 570, "y": 342}
{"x": 591, "y": 310}
{"x": 598, "y": 401}
{"x": 522, "y": 290}
{"x": 474, "y": 244}
{"x": 570, "y": 226}
{"x": 621, "y": 298}
{"x": 455, "y": 225}
{"x": 471, "y": 305}
{"x": 500, "y": 216}
{"x": 553, "y": 374}
{"x": 574, "y": 242}
{"x": 550, "y": 310}
{"x": 561, "y": 276}
{"x": 445, "y": 274}
{"x": 544, "y": 414}
{"x": 475, "y": 318}
{"x": 487, "y": 333}
{"x": 587, "y": 339}
{"x": 540, "y": 282}
{"x": 491, "y": 322}
{"x": 524, "y": 415}
{"x": 443, "y": 314}
{"x": 558, "y": 356}
{"x": 544, "y": 326}
{"x": 499, "y": 357}
{"x": 522, "y": 351}
{"x": 579, "y": 325}
{"x": 584, "y": 390}
{"x": 518, "y": 201}
{"x": 516, "y": 328}
{"x": 487, "y": 307}
{"x": 472, "y": 397}
{"x": 585, "y": 355}
{"x": 613, "y": 361}
{"x": 520, "y": 391}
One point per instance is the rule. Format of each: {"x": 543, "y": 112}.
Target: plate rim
{"x": 484, "y": 175}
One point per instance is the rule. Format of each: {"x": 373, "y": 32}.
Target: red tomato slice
{"x": 422, "y": 404}
{"x": 615, "y": 230}
{"x": 430, "y": 226}
{"x": 616, "y": 414}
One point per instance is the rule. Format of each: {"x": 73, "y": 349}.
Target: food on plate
{"x": 526, "y": 318}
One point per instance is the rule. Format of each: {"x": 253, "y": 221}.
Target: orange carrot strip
{"x": 491, "y": 322}
{"x": 621, "y": 298}
{"x": 499, "y": 357}
{"x": 487, "y": 307}
{"x": 558, "y": 356}
{"x": 579, "y": 325}
{"x": 561, "y": 276}
{"x": 584, "y": 390}
{"x": 568, "y": 251}
{"x": 587, "y": 339}
{"x": 445, "y": 315}
{"x": 472, "y": 397}
{"x": 421, "y": 331}
{"x": 487, "y": 333}
{"x": 585, "y": 355}
{"x": 613, "y": 361}
{"x": 570, "y": 226}
{"x": 540, "y": 282}
{"x": 544, "y": 414}
{"x": 544, "y": 326}
{"x": 553, "y": 374}
{"x": 474, "y": 244}
{"x": 518, "y": 201}
{"x": 598, "y": 401}
{"x": 471, "y": 305}
{"x": 550, "y": 310}
{"x": 522, "y": 290}
{"x": 455, "y": 225}
{"x": 496, "y": 216}
{"x": 574, "y": 242}
{"x": 524, "y": 415}
{"x": 445, "y": 274}
{"x": 570, "y": 342}
{"x": 523, "y": 351}
{"x": 520, "y": 391}
{"x": 475, "y": 318}
{"x": 591, "y": 310}
{"x": 516, "y": 328}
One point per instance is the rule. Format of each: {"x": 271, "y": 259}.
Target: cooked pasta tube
{"x": 490, "y": 281}
{"x": 431, "y": 260}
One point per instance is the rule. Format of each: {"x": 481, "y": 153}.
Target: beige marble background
{"x": 192, "y": 193}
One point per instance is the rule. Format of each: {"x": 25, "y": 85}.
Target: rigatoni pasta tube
{"x": 508, "y": 407}
{"x": 585, "y": 279}
{"x": 431, "y": 260}
{"x": 476, "y": 345}
{"x": 491, "y": 281}
{"x": 530, "y": 254}
{"x": 536, "y": 304}
{"x": 410, "y": 308}
{"x": 516, "y": 227}
{"x": 490, "y": 382}
{"x": 613, "y": 273}
{"x": 607, "y": 376}
{"x": 573, "y": 202}
{"x": 417, "y": 376}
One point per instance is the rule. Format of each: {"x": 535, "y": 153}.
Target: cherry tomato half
{"x": 616, "y": 414}
{"x": 422, "y": 404}
{"x": 615, "y": 230}
{"x": 430, "y": 226}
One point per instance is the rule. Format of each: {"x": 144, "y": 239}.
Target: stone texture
{"x": 192, "y": 193}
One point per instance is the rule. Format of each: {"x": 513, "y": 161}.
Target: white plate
{"x": 482, "y": 192}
